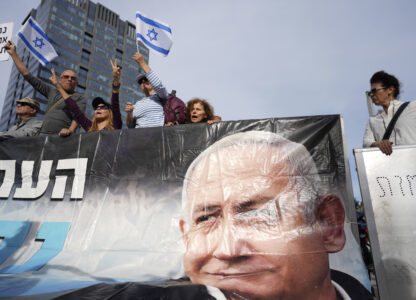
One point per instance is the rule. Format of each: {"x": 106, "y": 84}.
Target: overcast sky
{"x": 266, "y": 59}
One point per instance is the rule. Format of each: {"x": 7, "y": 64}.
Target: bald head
{"x": 68, "y": 81}
{"x": 255, "y": 155}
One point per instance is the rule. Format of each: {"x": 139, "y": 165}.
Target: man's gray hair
{"x": 303, "y": 175}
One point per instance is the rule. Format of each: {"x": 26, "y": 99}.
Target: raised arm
{"x": 11, "y": 49}
{"x": 37, "y": 84}
{"x": 138, "y": 57}
{"x": 54, "y": 80}
{"x": 115, "y": 103}
{"x": 154, "y": 80}
{"x": 73, "y": 106}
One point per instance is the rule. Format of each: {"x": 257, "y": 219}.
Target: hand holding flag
{"x": 155, "y": 34}
{"x": 37, "y": 42}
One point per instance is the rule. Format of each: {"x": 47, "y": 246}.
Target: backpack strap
{"x": 47, "y": 113}
{"x": 393, "y": 121}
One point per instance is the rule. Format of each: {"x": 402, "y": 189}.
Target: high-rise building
{"x": 86, "y": 35}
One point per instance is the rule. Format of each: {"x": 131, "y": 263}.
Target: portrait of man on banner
{"x": 255, "y": 225}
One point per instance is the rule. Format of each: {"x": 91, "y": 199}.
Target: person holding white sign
{"x": 385, "y": 89}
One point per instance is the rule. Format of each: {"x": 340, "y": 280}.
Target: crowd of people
{"x": 65, "y": 109}
{"x": 393, "y": 125}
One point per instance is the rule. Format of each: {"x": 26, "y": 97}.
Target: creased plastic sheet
{"x": 262, "y": 205}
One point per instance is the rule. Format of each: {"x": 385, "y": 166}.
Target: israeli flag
{"x": 36, "y": 41}
{"x": 155, "y": 34}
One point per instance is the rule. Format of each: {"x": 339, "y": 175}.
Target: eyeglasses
{"x": 374, "y": 90}
{"x": 69, "y": 77}
{"x": 101, "y": 107}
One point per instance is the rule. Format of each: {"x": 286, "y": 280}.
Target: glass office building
{"x": 86, "y": 35}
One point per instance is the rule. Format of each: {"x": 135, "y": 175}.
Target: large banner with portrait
{"x": 254, "y": 208}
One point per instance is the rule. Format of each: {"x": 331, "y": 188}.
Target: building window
{"x": 80, "y": 90}
{"x": 90, "y": 25}
{"x": 82, "y": 77}
{"x": 119, "y": 55}
{"x": 87, "y": 40}
{"x": 85, "y": 57}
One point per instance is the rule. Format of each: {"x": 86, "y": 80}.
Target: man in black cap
{"x": 27, "y": 124}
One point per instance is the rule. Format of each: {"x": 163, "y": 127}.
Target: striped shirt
{"x": 148, "y": 112}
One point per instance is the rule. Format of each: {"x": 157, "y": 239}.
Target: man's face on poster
{"x": 246, "y": 232}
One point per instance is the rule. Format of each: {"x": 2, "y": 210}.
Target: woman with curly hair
{"x": 199, "y": 110}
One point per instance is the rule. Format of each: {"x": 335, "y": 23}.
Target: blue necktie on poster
{"x": 155, "y": 34}
{"x": 37, "y": 42}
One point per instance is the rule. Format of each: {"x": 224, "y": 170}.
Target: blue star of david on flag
{"x": 156, "y": 35}
{"x": 152, "y": 34}
{"x": 37, "y": 42}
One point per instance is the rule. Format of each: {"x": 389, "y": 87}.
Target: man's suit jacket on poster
{"x": 185, "y": 290}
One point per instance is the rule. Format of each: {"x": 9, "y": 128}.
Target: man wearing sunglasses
{"x": 385, "y": 89}
{"x": 27, "y": 123}
{"x": 58, "y": 118}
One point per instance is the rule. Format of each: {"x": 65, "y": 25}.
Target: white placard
{"x": 6, "y": 31}
{"x": 388, "y": 187}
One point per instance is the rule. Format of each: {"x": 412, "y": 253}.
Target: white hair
{"x": 303, "y": 175}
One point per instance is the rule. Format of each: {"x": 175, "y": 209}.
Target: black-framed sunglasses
{"x": 374, "y": 90}
{"x": 101, "y": 107}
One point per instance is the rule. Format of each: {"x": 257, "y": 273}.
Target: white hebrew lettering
{"x": 80, "y": 170}
{"x": 27, "y": 191}
{"x": 9, "y": 166}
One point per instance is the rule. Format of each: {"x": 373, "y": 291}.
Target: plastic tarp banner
{"x": 254, "y": 208}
